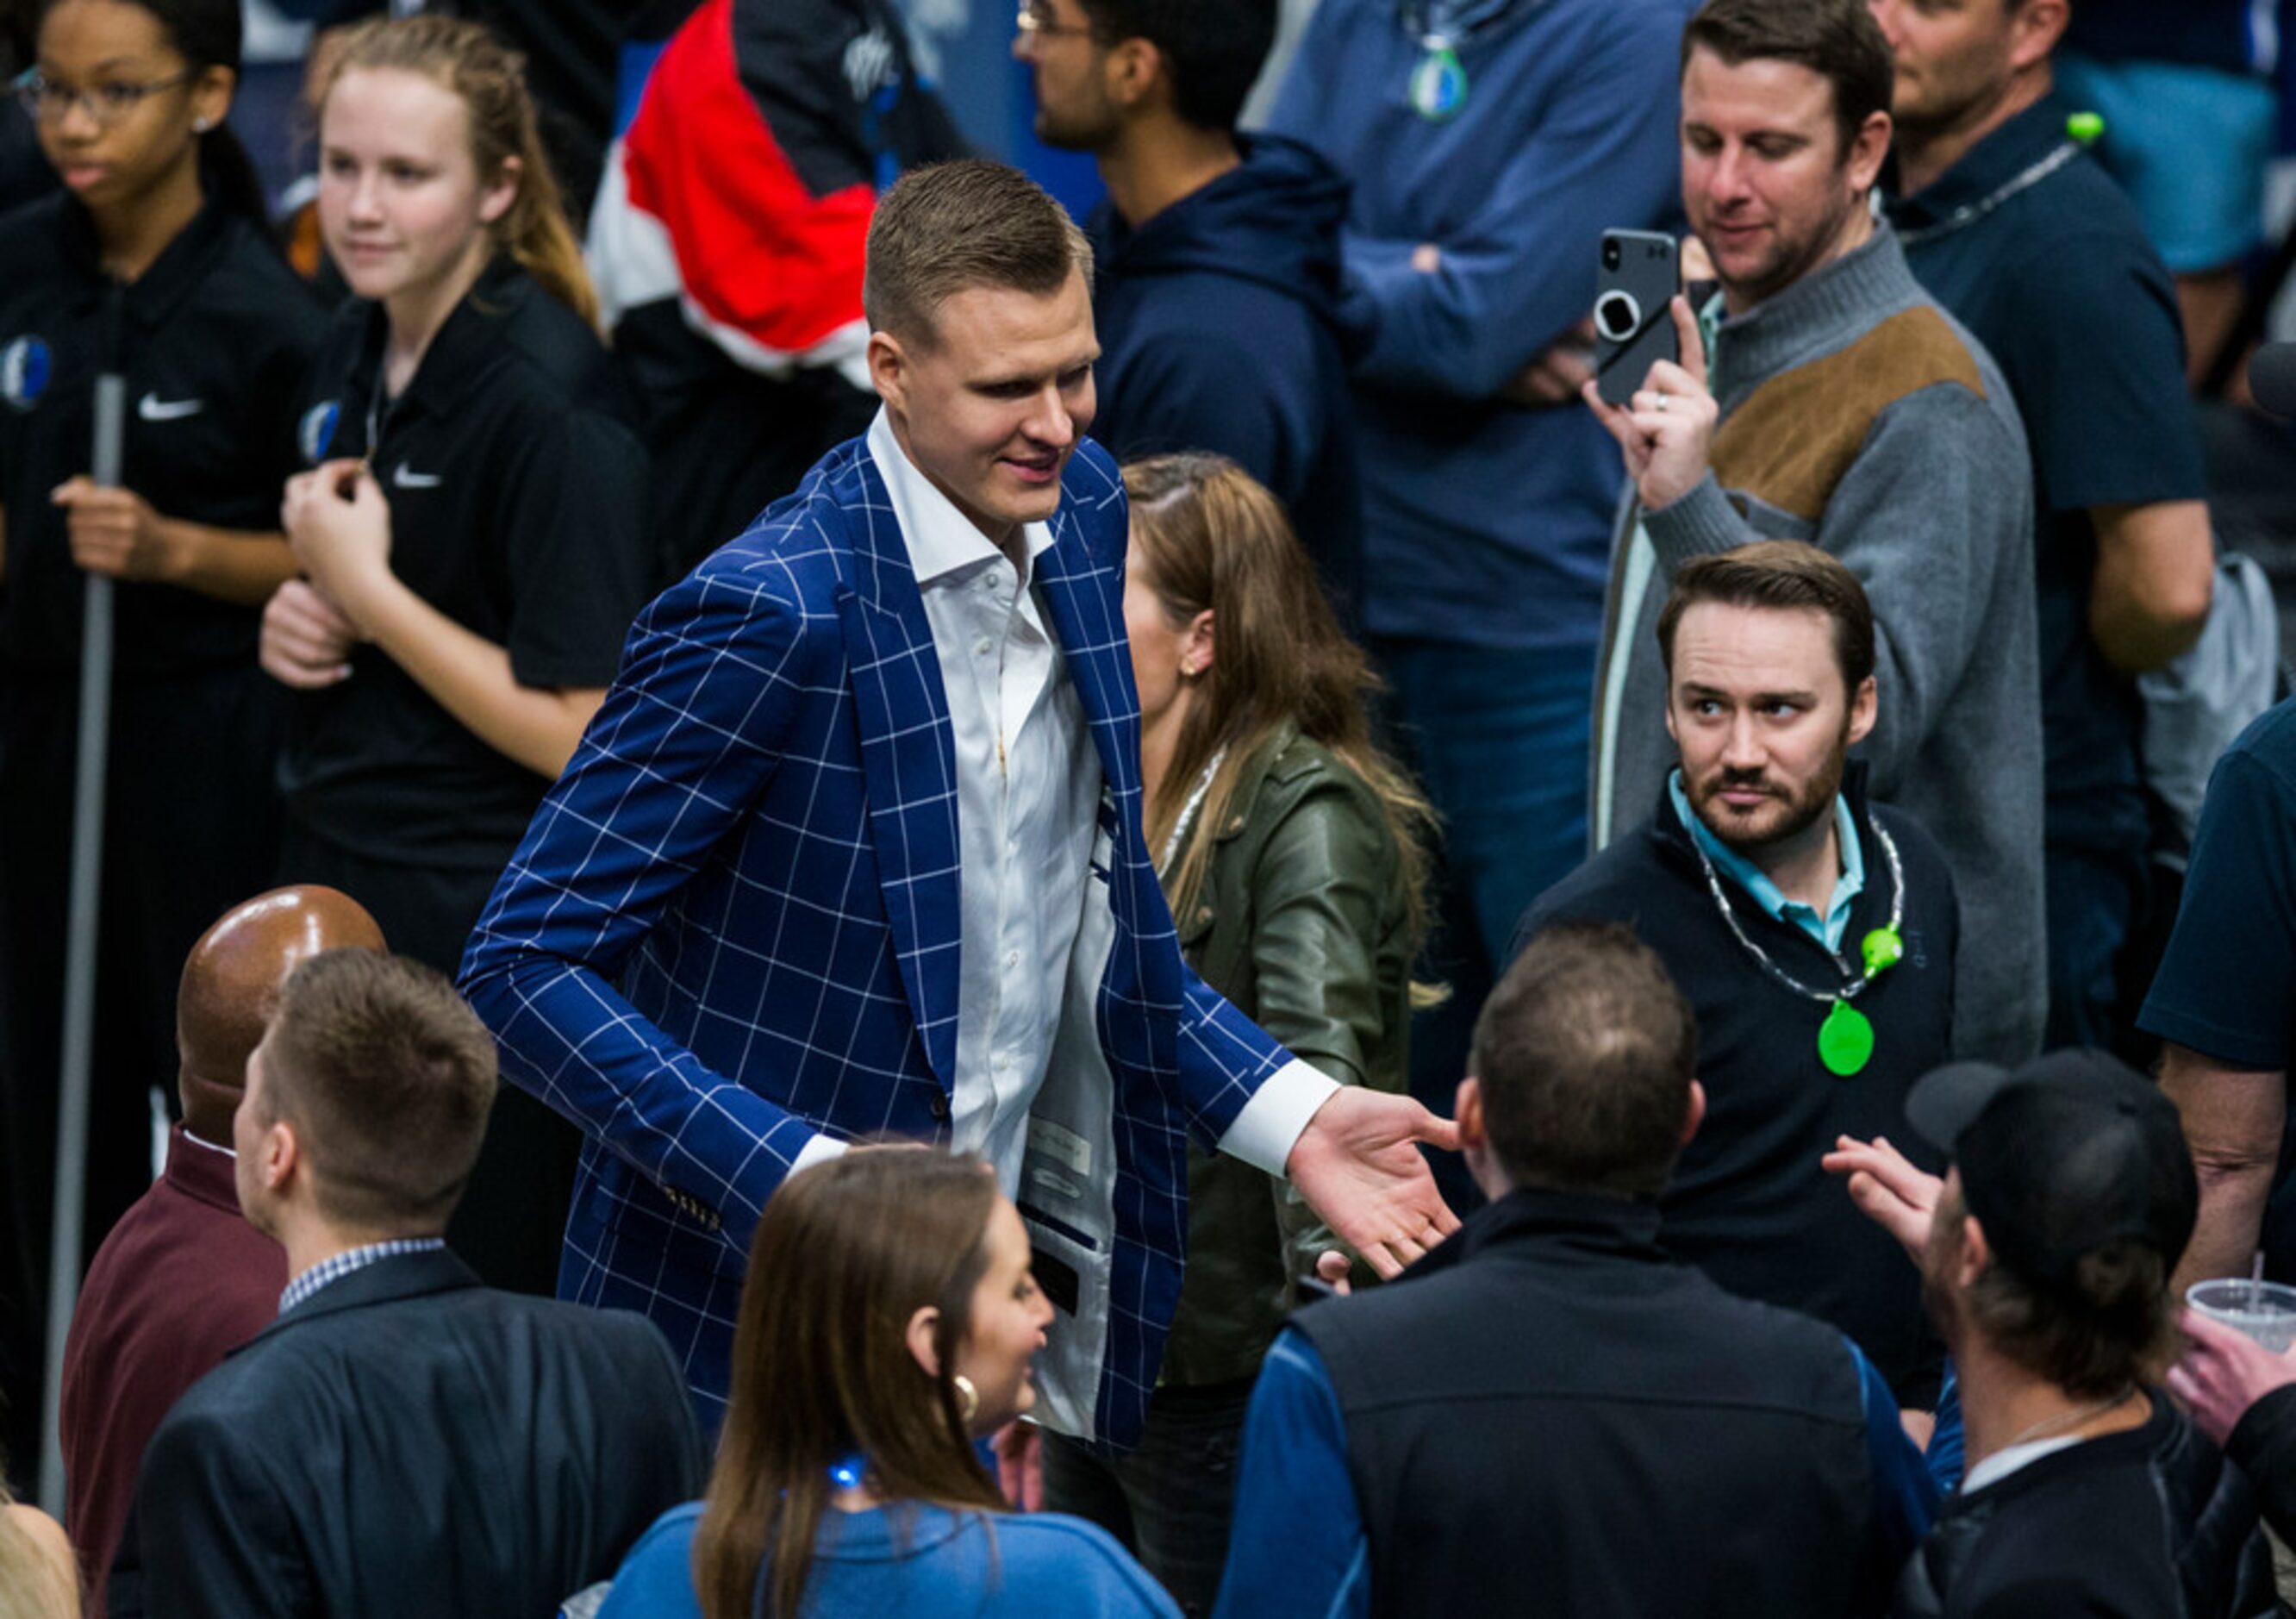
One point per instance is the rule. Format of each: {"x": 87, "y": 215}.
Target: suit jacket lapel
{"x": 1077, "y": 594}
{"x": 908, "y": 763}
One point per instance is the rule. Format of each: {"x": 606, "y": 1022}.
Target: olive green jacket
{"x": 1302, "y": 924}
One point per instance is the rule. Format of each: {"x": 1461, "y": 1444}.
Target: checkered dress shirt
{"x": 340, "y": 1265}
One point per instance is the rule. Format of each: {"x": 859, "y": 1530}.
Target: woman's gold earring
{"x": 968, "y": 1398}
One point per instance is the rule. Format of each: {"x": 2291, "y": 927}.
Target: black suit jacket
{"x": 409, "y": 1441}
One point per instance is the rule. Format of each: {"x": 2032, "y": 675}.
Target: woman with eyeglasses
{"x": 153, "y": 261}
{"x": 887, "y": 1326}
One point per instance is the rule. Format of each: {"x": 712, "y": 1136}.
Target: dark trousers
{"x": 192, "y": 820}
{"x": 2093, "y": 902}
{"x": 1172, "y": 1501}
{"x": 511, "y": 1225}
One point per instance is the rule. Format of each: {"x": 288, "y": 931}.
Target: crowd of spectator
{"x": 1213, "y": 910}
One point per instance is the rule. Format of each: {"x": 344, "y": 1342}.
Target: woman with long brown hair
{"x": 1292, "y": 853}
{"x": 473, "y": 535}
{"x": 887, "y": 1326}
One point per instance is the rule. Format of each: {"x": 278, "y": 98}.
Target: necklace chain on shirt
{"x": 1187, "y": 816}
{"x": 1969, "y": 213}
{"x": 1857, "y": 980}
{"x": 2068, "y": 1419}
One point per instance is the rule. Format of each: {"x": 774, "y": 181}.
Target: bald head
{"x": 231, "y": 987}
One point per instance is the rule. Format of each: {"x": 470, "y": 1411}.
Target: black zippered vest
{"x": 1548, "y": 1414}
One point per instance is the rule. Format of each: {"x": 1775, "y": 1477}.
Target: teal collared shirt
{"x": 1828, "y": 930}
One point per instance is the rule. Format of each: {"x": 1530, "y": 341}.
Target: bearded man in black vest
{"x": 1815, "y": 932}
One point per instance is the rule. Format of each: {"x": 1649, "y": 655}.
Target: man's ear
{"x": 1976, "y": 1253}
{"x": 1868, "y": 151}
{"x": 1467, "y": 1108}
{"x": 1694, "y": 1113}
{"x": 2035, "y": 31}
{"x": 1135, "y": 73}
{"x": 1865, "y": 707}
{"x": 919, "y": 1336}
{"x": 889, "y": 370}
{"x": 279, "y": 1157}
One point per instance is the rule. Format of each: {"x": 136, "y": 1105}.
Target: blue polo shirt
{"x": 2034, "y": 247}
{"x": 1828, "y": 929}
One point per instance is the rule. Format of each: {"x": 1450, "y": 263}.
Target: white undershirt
{"x": 2000, "y": 1464}
{"x": 1029, "y": 789}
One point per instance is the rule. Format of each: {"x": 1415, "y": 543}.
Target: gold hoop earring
{"x": 968, "y": 1398}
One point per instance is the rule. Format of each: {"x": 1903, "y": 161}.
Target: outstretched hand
{"x": 1358, "y": 1164}
{"x": 1887, "y": 1188}
{"x": 2223, "y": 1372}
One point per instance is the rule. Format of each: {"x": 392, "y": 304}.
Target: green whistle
{"x": 1882, "y": 949}
{"x": 2086, "y": 128}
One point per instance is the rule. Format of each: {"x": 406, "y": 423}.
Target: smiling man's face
{"x": 991, "y": 407}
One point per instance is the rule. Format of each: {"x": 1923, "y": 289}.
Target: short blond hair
{"x": 948, "y": 228}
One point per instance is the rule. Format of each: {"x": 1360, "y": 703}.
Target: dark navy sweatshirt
{"x": 1218, "y": 330}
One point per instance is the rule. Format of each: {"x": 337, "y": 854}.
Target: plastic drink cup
{"x": 2264, "y": 1311}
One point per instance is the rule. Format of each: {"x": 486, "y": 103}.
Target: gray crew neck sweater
{"x": 1858, "y": 416}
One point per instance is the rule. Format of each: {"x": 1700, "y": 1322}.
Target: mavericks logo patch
{"x": 314, "y": 435}
{"x": 27, "y": 365}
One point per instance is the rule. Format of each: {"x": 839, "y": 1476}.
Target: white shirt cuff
{"x": 821, "y": 1149}
{"x": 1271, "y": 1122}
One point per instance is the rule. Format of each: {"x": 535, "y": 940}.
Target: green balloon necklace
{"x": 1845, "y": 1040}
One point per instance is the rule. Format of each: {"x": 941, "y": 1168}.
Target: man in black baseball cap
{"x": 2045, "y": 1254}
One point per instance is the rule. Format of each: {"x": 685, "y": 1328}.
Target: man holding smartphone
{"x": 1849, "y": 411}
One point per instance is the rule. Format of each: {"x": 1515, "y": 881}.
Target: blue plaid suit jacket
{"x": 734, "y": 921}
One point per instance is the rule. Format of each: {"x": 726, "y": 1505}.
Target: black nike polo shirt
{"x": 518, "y": 491}
{"x": 214, "y": 342}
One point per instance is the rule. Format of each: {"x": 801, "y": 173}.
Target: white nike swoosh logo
{"x": 152, "y": 407}
{"x": 404, "y": 480}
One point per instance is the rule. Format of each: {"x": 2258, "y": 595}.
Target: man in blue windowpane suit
{"x": 853, "y": 848}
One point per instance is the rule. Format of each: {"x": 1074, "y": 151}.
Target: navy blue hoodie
{"x": 1219, "y": 331}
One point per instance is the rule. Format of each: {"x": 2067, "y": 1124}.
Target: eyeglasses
{"x": 1037, "y": 21}
{"x": 47, "y": 101}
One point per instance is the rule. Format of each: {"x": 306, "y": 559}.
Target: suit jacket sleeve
{"x": 689, "y": 735}
{"x": 215, "y": 1538}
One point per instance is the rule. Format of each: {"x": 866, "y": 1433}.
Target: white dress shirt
{"x": 1028, "y": 799}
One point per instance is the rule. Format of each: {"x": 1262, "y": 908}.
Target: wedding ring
{"x": 1658, "y": 403}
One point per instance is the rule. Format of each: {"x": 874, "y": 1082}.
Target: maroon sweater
{"x": 181, "y": 1281}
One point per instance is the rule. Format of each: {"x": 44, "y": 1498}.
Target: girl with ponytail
{"x": 471, "y": 536}
{"x": 152, "y": 260}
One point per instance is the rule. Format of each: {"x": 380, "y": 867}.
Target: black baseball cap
{"x": 2061, "y": 1156}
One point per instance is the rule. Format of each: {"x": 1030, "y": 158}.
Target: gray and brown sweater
{"x": 1858, "y": 416}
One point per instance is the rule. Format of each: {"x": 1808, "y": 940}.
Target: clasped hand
{"x": 338, "y": 524}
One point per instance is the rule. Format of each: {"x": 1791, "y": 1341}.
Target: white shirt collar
{"x": 2002, "y": 1464}
{"x": 940, "y": 538}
